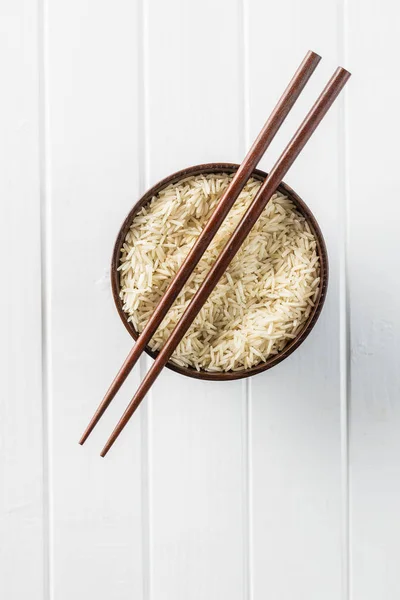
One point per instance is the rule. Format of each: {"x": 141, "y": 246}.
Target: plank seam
{"x": 344, "y": 314}
{"x": 246, "y": 390}
{"x": 45, "y": 245}
{"x": 144, "y": 166}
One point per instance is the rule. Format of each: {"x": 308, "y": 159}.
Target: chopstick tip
{"x": 343, "y": 70}
{"x": 340, "y": 69}
{"x": 315, "y": 55}
{"x": 83, "y": 438}
{"x": 105, "y": 450}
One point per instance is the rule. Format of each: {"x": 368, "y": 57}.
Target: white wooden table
{"x": 284, "y": 487}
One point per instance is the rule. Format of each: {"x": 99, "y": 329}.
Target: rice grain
{"x": 261, "y": 302}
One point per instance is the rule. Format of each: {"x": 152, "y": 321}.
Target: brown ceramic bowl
{"x": 303, "y": 209}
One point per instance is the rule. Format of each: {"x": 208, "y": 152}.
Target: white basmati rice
{"x": 261, "y": 302}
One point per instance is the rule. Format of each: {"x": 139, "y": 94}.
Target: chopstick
{"x": 226, "y": 202}
{"x": 271, "y": 183}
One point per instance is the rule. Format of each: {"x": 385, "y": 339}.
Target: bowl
{"x": 321, "y": 248}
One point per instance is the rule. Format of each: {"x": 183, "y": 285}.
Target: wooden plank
{"x": 194, "y": 101}
{"x": 93, "y": 84}
{"x": 294, "y": 423}
{"x": 21, "y": 522}
{"x": 373, "y": 122}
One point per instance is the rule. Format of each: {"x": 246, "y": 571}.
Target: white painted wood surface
{"x": 22, "y": 529}
{"x": 285, "y": 486}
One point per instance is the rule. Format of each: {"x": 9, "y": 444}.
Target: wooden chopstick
{"x": 285, "y": 161}
{"x": 226, "y": 202}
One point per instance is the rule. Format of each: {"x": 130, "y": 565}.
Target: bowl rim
{"x": 228, "y": 168}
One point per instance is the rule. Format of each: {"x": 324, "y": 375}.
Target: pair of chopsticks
{"x": 266, "y": 191}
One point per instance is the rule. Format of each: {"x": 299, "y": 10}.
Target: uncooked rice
{"x": 262, "y": 301}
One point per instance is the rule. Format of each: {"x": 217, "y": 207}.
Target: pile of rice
{"x": 261, "y": 302}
